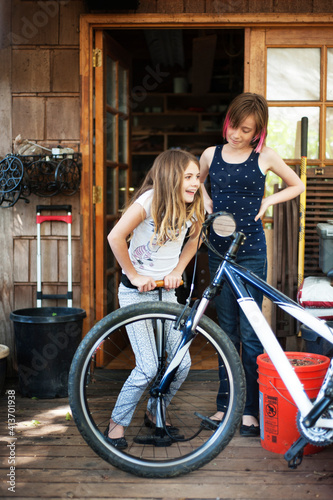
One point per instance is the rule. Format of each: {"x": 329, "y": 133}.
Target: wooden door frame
{"x": 254, "y": 81}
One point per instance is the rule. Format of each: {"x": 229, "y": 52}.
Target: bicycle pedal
{"x": 207, "y": 423}
{"x": 294, "y": 455}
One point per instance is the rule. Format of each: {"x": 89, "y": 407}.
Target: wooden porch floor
{"x": 52, "y": 461}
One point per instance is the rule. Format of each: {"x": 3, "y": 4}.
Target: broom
{"x": 302, "y": 204}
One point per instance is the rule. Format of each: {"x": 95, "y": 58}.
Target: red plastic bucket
{"x": 278, "y": 428}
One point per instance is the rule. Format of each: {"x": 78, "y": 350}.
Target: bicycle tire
{"x": 94, "y": 385}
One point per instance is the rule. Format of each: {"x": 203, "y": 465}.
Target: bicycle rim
{"x": 103, "y": 363}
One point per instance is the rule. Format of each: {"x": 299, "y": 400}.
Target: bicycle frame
{"x": 237, "y": 277}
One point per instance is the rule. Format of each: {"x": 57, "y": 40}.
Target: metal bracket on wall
{"x": 43, "y": 176}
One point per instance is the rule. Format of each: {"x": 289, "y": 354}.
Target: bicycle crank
{"x": 318, "y": 436}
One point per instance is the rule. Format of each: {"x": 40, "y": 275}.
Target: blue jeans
{"x": 235, "y": 324}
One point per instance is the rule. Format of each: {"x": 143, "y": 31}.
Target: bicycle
{"x": 94, "y": 381}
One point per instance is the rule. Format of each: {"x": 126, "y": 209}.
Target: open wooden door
{"x": 112, "y": 161}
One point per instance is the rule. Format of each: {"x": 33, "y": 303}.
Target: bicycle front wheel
{"x": 103, "y": 363}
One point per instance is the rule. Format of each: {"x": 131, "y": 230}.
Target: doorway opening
{"x": 181, "y": 83}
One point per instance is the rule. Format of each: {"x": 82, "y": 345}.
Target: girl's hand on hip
{"x": 208, "y": 204}
{"x": 265, "y": 204}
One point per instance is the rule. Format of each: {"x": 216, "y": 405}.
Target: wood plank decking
{"x": 52, "y": 461}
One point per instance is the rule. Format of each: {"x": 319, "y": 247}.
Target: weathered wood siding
{"x": 40, "y": 99}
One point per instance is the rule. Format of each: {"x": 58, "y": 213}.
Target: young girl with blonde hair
{"x": 168, "y": 206}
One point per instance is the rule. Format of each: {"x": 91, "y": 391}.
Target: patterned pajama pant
{"x": 142, "y": 339}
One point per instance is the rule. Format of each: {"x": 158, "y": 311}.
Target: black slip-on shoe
{"x": 249, "y": 430}
{"x": 119, "y": 443}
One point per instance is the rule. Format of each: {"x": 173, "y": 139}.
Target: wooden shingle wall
{"x": 40, "y": 81}
{"x": 233, "y": 6}
{"x": 40, "y": 99}
{"x": 45, "y": 109}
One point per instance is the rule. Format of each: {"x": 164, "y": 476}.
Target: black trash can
{"x": 4, "y": 353}
{"x": 46, "y": 339}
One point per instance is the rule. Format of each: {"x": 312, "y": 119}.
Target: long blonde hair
{"x": 169, "y": 210}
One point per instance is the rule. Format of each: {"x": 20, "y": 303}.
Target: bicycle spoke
{"x": 101, "y": 370}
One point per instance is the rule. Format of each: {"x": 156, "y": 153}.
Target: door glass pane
{"x": 330, "y": 74}
{"x": 293, "y": 74}
{"x": 122, "y": 188}
{"x": 111, "y": 70}
{"x": 111, "y": 195}
{"x": 112, "y": 298}
{"x": 111, "y": 122}
{"x": 122, "y": 89}
{"x": 110, "y": 258}
{"x": 329, "y": 133}
{"x": 284, "y": 131}
{"x": 122, "y": 151}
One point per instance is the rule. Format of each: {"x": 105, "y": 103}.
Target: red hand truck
{"x": 61, "y": 218}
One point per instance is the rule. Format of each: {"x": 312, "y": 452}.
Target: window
{"x": 300, "y": 83}
{"x": 293, "y": 74}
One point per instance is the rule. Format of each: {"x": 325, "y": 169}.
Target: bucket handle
{"x": 282, "y": 396}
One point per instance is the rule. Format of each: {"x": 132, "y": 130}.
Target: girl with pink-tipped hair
{"x": 237, "y": 172}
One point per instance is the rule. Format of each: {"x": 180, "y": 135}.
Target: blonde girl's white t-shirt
{"x": 148, "y": 258}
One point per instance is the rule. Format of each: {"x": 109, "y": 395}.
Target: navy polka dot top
{"x": 238, "y": 189}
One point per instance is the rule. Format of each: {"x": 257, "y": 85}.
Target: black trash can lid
{"x": 47, "y": 315}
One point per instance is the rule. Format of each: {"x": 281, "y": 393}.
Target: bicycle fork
{"x": 162, "y": 437}
{"x": 188, "y": 334}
